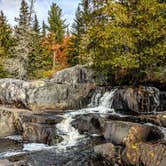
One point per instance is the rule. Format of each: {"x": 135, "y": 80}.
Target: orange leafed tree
{"x": 59, "y": 53}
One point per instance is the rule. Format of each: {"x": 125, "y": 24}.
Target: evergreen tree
{"x": 31, "y": 10}
{"x": 6, "y": 41}
{"x": 23, "y": 35}
{"x": 36, "y": 27}
{"x": 133, "y": 36}
{"x": 43, "y": 29}
{"x": 76, "y": 49}
{"x": 56, "y": 25}
{"x": 34, "y": 56}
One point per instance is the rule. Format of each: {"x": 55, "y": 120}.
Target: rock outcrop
{"x": 89, "y": 123}
{"x": 109, "y": 151}
{"x": 40, "y": 128}
{"x": 136, "y": 100}
{"x": 68, "y": 89}
{"x": 148, "y": 154}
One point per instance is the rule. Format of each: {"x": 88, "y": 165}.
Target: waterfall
{"x": 155, "y": 93}
{"x": 100, "y": 103}
{"x": 69, "y": 134}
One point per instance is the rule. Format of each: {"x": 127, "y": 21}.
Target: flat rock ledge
{"x": 40, "y": 128}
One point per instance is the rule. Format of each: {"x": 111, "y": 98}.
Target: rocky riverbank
{"x": 71, "y": 120}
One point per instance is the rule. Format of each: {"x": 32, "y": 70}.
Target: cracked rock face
{"x": 69, "y": 88}
{"x": 40, "y": 128}
{"x": 137, "y": 100}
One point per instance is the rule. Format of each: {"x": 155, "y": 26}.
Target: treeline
{"x": 26, "y": 51}
{"x": 124, "y": 40}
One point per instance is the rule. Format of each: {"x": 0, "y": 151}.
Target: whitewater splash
{"x": 69, "y": 134}
{"x": 101, "y": 104}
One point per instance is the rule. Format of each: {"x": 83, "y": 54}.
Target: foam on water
{"x": 71, "y": 137}
{"x": 10, "y": 153}
{"x": 15, "y": 137}
{"x": 69, "y": 134}
{"x": 35, "y": 147}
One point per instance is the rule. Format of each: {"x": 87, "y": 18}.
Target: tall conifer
{"x": 56, "y": 25}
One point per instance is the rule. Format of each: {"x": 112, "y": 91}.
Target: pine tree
{"x": 36, "y": 27}
{"x": 34, "y": 57}
{"x": 56, "y": 25}
{"x": 77, "y": 52}
{"x": 31, "y": 10}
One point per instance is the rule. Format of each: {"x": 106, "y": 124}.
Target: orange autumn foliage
{"x": 60, "y": 52}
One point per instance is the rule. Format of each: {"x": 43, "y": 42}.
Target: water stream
{"x": 100, "y": 104}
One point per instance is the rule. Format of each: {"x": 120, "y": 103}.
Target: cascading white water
{"x": 69, "y": 134}
{"x": 99, "y": 104}
{"x": 102, "y": 104}
{"x": 156, "y": 94}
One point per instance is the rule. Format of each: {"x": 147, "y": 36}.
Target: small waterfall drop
{"x": 101, "y": 104}
{"x": 69, "y": 134}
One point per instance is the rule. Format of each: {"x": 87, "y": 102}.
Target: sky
{"x": 11, "y": 9}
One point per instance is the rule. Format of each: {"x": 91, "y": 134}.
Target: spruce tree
{"x": 23, "y": 35}
{"x": 56, "y": 25}
{"x": 129, "y": 38}
{"x": 6, "y": 41}
{"x": 77, "y": 51}
{"x": 43, "y": 29}
{"x": 34, "y": 57}
{"x": 36, "y": 27}
{"x": 74, "y": 49}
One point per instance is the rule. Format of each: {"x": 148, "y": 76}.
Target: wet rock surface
{"x": 39, "y": 128}
{"x": 109, "y": 151}
{"x": 124, "y": 133}
{"x": 137, "y": 100}
{"x": 41, "y": 133}
{"x": 6, "y": 123}
{"x": 158, "y": 119}
{"x": 122, "y": 126}
{"x": 7, "y": 145}
{"x": 89, "y": 123}
{"x": 145, "y": 154}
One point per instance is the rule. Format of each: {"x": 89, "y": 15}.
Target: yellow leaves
{"x": 48, "y": 74}
{"x": 134, "y": 146}
{"x": 151, "y": 154}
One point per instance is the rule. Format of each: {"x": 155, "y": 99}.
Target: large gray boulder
{"x": 74, "y": 75}
{"x": 125, "y": 133}
{"x": 68, "y": 89}
{"x": 40, "y": 128}
{"x": 137, "y": 100}
{"x": 148, "y": 154}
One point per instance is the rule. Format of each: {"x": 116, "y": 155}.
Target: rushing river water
{"x": 100, "y": 104}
